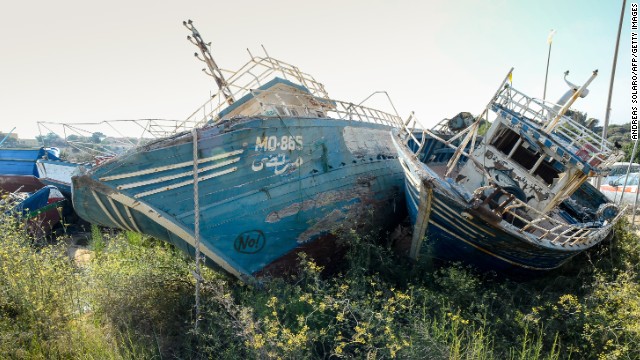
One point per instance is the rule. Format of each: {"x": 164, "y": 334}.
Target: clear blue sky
{"x": 78, "y": 61}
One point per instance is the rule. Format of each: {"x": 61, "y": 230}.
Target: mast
{"x": 6, "y": 137}
{"x": 214, "y": 71}
{"x": 546, "y": 74}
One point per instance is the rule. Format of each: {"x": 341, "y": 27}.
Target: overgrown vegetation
{"x": 135, "y": 298}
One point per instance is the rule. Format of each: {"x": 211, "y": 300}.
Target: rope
{"x": 196, "y": 224}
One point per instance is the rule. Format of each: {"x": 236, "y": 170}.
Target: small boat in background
{"x": 514, "y": 200}
{"x": 12, "y": 183}
{"x": 41, "y": 211}
{"x": 18, "y": 171}
{"x": 59, "y": 173}
{"x": 278, "y": 164}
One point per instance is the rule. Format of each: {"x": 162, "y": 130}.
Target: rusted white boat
{"x": 515, "y": 199}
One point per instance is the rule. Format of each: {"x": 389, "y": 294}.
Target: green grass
{"x": 135, "y": 300}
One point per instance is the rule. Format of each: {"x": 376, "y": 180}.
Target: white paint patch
{"x": 363, "y": 141}
{"x": 58, "y": 172}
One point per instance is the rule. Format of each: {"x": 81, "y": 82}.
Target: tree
{"x": 97, "y": 137}
{"x": 51, "y": 139}
{"x": 10, "y": 142}
{"x": 74, "y": 137}
{"x": 627, "y": 148}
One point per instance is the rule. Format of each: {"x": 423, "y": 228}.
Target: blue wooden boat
{"x": 279, "y": 167}
{"x": 41, "y": 210}
{"x": 18, "y": 171}
{"x": 515, "y": 199}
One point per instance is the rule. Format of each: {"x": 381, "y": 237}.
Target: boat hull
{"x": 41, "y": 211}
{"x": 57, "y": 173}
{"x": 22, "y": 183}
{"x": 458, "y": 232}
{"x": 452, "y": 237}
{"x": 18, "y": 171}
{"x": 19, "y": 161}
{"x": 267, "y": 188}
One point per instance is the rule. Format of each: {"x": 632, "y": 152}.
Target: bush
{"x": 135, "y": 300}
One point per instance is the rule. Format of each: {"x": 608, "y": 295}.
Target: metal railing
{"x": 110, "y": 137}
{"x": 583, "y": 142}
{"x": 335, "y": 109}
{"x": 541, "y": 226}
{"x": 442, "y": 127}
{"x": 257, "y": 72}
{"x": 407, "y": 133}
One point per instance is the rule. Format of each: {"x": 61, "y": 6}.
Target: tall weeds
{"x": 135, "y": 300}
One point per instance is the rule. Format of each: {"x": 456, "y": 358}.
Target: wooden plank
{"x": 422, "y": 220}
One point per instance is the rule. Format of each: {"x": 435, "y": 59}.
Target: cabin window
{"x": 549, "y": 170}
{"x": 505, "y": 139}
{"x": 525, "y": 156}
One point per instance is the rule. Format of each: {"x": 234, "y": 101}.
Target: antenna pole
{"x": 605, "y": 126}
{"x": 546, "y": 74}
{"x": 208, "y": 59}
